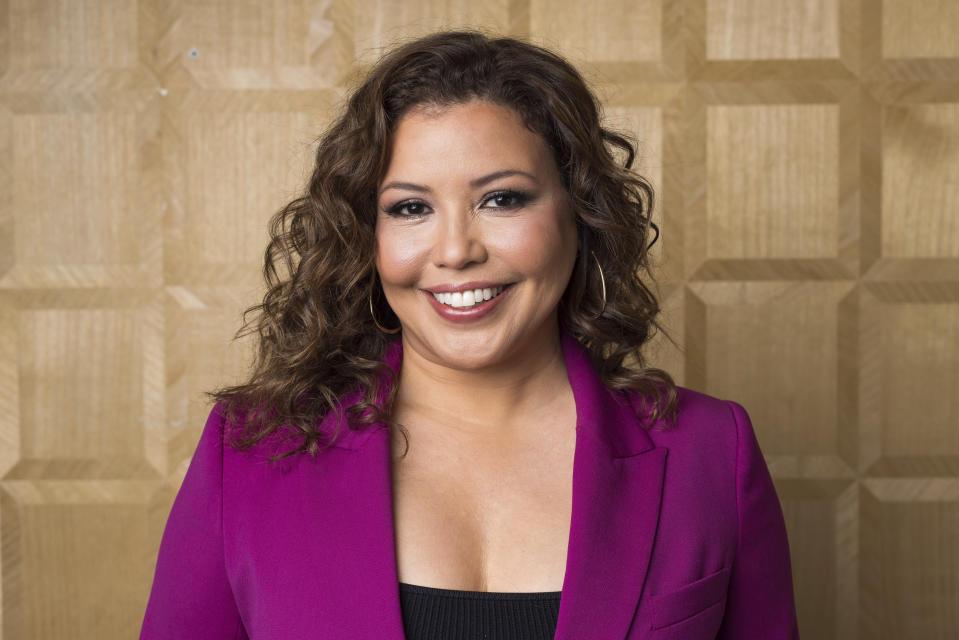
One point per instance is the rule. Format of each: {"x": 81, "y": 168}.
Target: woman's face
{"x": 475, "y": 240}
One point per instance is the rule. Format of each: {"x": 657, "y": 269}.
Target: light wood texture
{"x": 804, "y": 155}
{"x": 780, "y": 199}
{"x": 909, "y": 559}
{"x": 91, "y": 34}
{"x": 607, "y": 30}
{"x": 928, "y": 29}
{"x": 777, "y": 29}
{"x": 920, "y": 181}
{"x": 379, "y": 23}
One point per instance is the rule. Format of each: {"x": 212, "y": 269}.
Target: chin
{"x": 460, "y": 351}
{"x": 466, "y": 357}
{"x": 475, "y": 348}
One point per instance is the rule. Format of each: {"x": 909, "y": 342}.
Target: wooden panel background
{"x": 806, "y": 158}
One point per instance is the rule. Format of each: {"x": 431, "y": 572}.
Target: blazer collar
{"x": 617, "y": 489}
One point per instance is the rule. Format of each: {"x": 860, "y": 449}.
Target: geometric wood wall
{"x": 805, "y": 155}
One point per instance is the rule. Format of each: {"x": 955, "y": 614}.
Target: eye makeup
{"x": 417, "y": 208}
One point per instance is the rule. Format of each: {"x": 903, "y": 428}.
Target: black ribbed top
{"x": 448, "y": 614}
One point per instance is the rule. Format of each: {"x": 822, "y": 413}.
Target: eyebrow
{"x": 478, "y": 182}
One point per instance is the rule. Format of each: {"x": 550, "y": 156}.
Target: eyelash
{"x": 520, "y": 198}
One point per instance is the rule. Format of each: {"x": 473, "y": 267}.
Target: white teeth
{"x": 466, "y": 299}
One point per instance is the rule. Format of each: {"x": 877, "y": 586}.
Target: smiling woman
{"x": 469, "y": 269}
{"x": 473, "y": 200}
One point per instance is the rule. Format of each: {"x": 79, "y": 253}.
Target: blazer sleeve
{"x": 760, "y": 601}
{"x": 191, "y": 595}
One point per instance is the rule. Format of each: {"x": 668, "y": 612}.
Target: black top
{"x": 448, "y": 614}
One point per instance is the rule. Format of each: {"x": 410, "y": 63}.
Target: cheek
{"x": 541, "y": 246}
{"x": 396, "y": 256}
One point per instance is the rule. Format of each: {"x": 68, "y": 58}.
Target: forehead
{"x": 473, "y": 136}
{"x": 476, "y": 108}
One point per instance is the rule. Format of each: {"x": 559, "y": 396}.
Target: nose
{"x": 459, "y": 243}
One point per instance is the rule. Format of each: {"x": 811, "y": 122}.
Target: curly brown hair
{"x": 316, "y": 339}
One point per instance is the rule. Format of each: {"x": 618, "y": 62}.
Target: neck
{"x": 498, "y": 398}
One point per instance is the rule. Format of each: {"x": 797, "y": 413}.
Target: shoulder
{"x": 695, "y": 407}
{"x": 705, "y": 426}
{"x": 696, "y": 410}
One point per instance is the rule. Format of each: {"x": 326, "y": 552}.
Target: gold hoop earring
{"x": 378, "y": 325}
{"x": 602, "y": 283}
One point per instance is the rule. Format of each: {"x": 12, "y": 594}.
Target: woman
{"x": 467, "y": 271}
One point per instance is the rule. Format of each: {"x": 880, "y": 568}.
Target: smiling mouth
{"x": 469, "y": 298}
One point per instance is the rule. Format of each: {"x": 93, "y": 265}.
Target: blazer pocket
{"x": 688, "y": 600}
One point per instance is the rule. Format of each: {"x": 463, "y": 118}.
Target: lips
{"x": 467, "y": 302}
{"x": 468, "y": 298}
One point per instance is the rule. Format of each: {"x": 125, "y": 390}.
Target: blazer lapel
{"x": 361, "y": 583}
{"x": 376, "y": 604}
{"x": 617, "y": 489}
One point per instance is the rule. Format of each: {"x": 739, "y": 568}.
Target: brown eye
{"x": 508, "y": 199}
{"x": 407, "y": 209}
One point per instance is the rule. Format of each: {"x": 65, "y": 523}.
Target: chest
{"x": 484, "y": 516}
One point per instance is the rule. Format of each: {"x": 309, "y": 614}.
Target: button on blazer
{"x": 674, "y": 534}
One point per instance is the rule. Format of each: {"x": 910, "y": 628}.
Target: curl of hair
{"x": 315, "y": 338}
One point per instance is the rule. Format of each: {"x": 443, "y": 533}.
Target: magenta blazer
{"x": 674, "y": 534}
